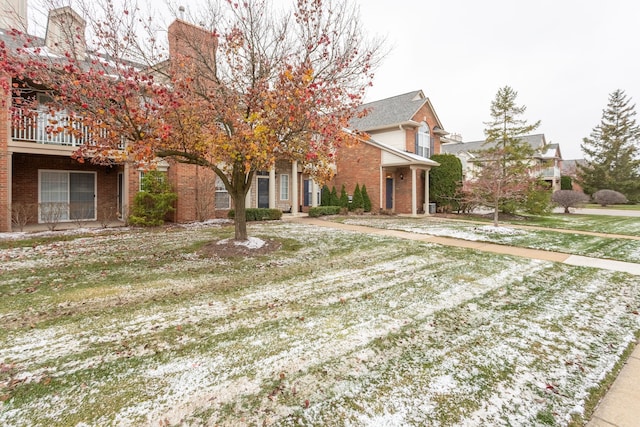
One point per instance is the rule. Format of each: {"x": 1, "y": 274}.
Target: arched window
{"x": 423, "y": 141}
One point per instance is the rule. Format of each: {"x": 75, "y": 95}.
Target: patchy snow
{"x": 250, "y": 243}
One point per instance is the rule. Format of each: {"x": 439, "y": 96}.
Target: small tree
{"x": 609, "y": 197}
{"x": 151, "y": 205}
{"x": 569, "y": 199}
{"x": 344, "y": 198}
{"x": 325, "y": 196}
{"x": 445, "y": 180}
{"x": 366, "y": 201}
{"x": 538, "y": 201}
{"x": 566, "y": 183}
{"x": 357, "y": 202}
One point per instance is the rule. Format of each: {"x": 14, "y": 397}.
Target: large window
{"x": 284, "y": 187}
{"x": 223, "y": 201}
{"x": 423, "y": 141}
{"x": 65, "y": 196}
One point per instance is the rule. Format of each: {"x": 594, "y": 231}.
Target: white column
{"x": 426, "y": 191}
{"x": 414, "y": 192}
{"x": 247, "y": 199}
{"x": 294, "y": 187}
{"x": 314, "y": 193}
{"x": 272, "y": 188}
{"x": 382, "y": 186}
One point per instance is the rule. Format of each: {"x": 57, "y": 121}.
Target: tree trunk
{"x": 566, "y": 209}
{"x": 495, "y": 215}
{"x": 240, "y": 219}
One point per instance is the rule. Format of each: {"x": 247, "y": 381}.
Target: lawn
{"x": 615, "y": 248}
{"x": 335, "y": 328}
{"x": 629, "y": 226}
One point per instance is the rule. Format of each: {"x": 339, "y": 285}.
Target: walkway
{"x": 620, "y": 407}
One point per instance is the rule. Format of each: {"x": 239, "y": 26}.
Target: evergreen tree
{"x": 504, "y": 177}
{"x": 566, "y": 183}
{"x": 366, "y": 201}
{"x": 445, "y": 180}
{"x": 344, "y": 198}
{"x": 612, "y": 153}
{"x": 335, "y": 201}
{"x": 357, "y": 202}
{"x": 325, "y": 196}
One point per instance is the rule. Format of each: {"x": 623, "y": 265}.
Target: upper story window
{"x": 424, "y": 142}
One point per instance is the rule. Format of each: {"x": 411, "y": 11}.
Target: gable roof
{"x": 394, "y": 111}
{"x": 537, "y": 142}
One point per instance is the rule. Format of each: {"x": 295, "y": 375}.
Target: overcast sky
{"x": 563, "y": 57}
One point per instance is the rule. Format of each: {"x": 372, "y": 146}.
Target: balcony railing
{"x": 552, "y": 172}
{"x": 44, "y": 128}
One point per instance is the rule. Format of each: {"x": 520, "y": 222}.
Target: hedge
{"x": 259, "y": 214}
{"x": 324, "y": 210}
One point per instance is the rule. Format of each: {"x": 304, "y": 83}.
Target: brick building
{"x": 404, "y": 131}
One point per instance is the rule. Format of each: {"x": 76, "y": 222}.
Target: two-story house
{"x": 393, "y": 162}
{"x": 546, "y": 161}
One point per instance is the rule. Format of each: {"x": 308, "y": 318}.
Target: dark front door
{"x": 263, "y": 192}
{"x": 389, "y": 192}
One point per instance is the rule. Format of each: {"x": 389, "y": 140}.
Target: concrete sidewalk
{"x": 620, "y": 407}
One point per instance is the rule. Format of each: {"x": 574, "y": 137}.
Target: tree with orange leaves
{"x": 245, "y": 87}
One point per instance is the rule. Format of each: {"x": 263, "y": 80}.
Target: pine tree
{"x": 357, "y": 202}
{"x": 325, "y": 196}
{"x": 504, "y": 179}
{"x": 445, "y": 181}
{"x": 366, "y": 201}
{"x": 335, "y": 201}
{"x": 344, "y": 198}
{"x": 612, "y": 152}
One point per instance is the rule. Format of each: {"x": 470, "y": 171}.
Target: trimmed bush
{"x": 566, "y": 183}
{"x": 344, "y": 198}
{"x": 366, "y": 201}
{"x": 324, "y": 210}
{"x": 152, "y": 205}
{"x": 325, "y": 196}
{"x": 357, "y": 202}
{"x": 444, "y": 181}
{"x": 259, "y": 214}
{"x": 609, "y": 197}
{"x": 334, "y": 201}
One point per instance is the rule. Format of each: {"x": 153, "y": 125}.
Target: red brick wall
{"x": 360, "y": 164}
{"x": 424, "y": 114}
{"x": 25, "y": 178}
{"x": 5, "y": 203}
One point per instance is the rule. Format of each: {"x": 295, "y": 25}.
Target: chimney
{"x": 181, "y": 13}
{"x": 13, "y": 14}
{"x": 65, "y": 33}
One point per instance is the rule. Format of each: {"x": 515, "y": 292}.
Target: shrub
{"x": 344, "y": 198}
{"x": 335, "y": 200}
{"x": 22, "y": 214}
{"x": 609, "y": 197}
{"x": 569, "y": 199}
{"x": 325, "y": 196}
{"x": 566, "y": 183}
{"x": 259, "y": 214}
{"x": 151, "y": 205}
{"x": 324, "y": 210}
{"x": 538, "y": 201}
{"x": 357, "y": 202}
{"x": 445, "y": 180}
{"x": 366, "y": 201}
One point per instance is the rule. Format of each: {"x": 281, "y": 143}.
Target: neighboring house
{"x": 546, "y": 160}
{"x": 393, "y": 161}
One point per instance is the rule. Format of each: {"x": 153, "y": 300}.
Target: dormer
{"x": 65, "y": 33}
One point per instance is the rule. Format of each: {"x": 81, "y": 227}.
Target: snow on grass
{"x": 336, "y": 328}
{"x": 250, "y": 243}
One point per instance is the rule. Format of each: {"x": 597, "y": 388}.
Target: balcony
{"x": 550, "y": 173}
{"x": 40, "y": 127}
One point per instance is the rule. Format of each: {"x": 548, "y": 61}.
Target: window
{"x": 223, "y": 201}
{"x": 423, "y": 141}
{"x": 65, "y": 196}
{"x": 284, "y": 187}
{"x": 161, "y": 177}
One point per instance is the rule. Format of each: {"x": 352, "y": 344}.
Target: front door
{"x": 389, "y": 192}
{"x": 263, "y": 192}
